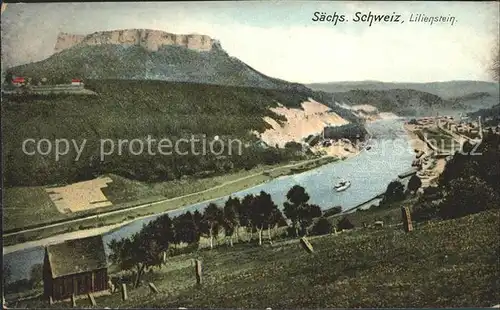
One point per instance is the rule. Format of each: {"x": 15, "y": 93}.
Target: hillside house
{"x": 76, "y": 82}
{"x": 18, "y": 81}
{"x": 75, "y": 267}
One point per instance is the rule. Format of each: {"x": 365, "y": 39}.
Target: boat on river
{"x": 342, "y": 185}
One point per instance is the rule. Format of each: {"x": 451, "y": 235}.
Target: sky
{"x": 280, "y": 39}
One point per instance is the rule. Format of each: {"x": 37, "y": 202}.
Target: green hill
{"x": 490, "y": 116}
{"x": 449, "y": 89}
{"x": 417, "y": 99}
{"x": 400, "y": 101}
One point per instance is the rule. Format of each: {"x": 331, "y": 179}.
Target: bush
{"x": 344, "y": 224}
{"x": 468, "y": 196}
{"x": 291, "y": 232}
{"x": 424, "y": 211}
{"x": 395, "y": 192}
{"x": 414, "y": 183}
{"x": 321, "y": 227}
{"x": 292, "y": 145}
{"x": 333, "y": 211}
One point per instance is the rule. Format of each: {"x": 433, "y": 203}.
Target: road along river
{"x": 369, "y": 172}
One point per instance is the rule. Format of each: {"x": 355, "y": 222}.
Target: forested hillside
{"x": 132, "y": 109}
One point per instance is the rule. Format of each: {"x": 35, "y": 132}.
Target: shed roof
{"x": 77, "y": 256}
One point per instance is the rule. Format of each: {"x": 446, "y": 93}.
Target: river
{"x": 369, "y": 173}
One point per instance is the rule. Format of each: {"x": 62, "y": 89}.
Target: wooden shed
{"x": 75, "y": 267}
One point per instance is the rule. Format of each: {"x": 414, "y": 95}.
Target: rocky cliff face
{"x": 149, "y": 39}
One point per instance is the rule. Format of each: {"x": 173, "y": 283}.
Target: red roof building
{"x": 18, "y": 80}
{"x": 76, "y": 82}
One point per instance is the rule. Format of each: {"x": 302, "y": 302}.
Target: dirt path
{"x": 104, "y": 229}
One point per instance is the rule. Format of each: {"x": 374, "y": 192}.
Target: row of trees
{"x": 255, "y": 213}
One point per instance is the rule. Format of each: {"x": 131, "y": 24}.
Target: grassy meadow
{"x": 451, "y": 263}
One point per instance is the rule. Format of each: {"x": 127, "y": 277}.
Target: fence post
{"x": 198, "y": 271}
{"x": 306, "y": 245}
{"x": 407, "y": 224}
{"x": 124, "y": 292}
{"x": 153, "y": 287}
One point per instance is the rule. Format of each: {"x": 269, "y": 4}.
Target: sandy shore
{"x": 432, "y": 167}
{"x": 415, "y": 141}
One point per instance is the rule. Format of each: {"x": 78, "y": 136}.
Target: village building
{"x": 76, "y": 82}
{"x": 18, "y": 81}
{"x": 75, "y": 267}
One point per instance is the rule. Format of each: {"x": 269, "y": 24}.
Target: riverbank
{"x": 26, "y": 208}
{"x": 432, "y": 167}
{"x": 103, "y": 223}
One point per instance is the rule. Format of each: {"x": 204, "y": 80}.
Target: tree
{"x": 307, "y": 213}
{"x": 322, "y": 227}
{"x": 141, "y": 251}
{"x": 291, "y": 212}
{"x": 297, "y": 198}
{"x": 262, "y": 212}
{"x": 162, "y": 230}
{"x": 185, "y": 230}
{"x": 8, "y": 78}
{"x": 35, "y": 81}
{"x": 230, "y": 222}
{"x": 298, "y": 210}
{"x": 198, "y": 221}
{"x": 414, "y": 184}
{"x": 277, "y": 220}
{"x": 213, "y": 217}
{"x": 244, "y": 213}
{"x": 394, "y": 192}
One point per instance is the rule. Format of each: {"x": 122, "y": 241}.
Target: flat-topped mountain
{"x": 150, "y": 39}
{"x": 141, "y": 54}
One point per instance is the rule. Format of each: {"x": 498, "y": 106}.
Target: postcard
{"x": 250, "y": 155}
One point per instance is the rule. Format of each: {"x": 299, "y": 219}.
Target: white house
{"x": 77, "y": 82}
